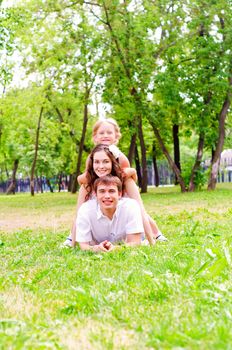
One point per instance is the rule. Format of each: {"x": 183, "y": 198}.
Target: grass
{"x": 176, "y": 295}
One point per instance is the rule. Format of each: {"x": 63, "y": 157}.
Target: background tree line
{"x": 164, "y": 67}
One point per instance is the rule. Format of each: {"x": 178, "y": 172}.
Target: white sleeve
{"x": 134, "y": 218}
{"x": 83, "y": 227}
{"x": 115, "y": 151}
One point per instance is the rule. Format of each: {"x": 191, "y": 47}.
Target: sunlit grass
{"x": 176, "y": 295}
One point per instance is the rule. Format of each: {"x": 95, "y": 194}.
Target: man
{"x": 108, "y": 218}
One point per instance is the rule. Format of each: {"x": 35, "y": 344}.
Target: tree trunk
{"x": 157, "y": 180}
{"x": 220, "y": 142}
{"x": 197, "y": 163}
{"x": 169, "y": 158}
{"x": 12, "y": 186}
{"x": 49, "y": 185}
{"x": 200, "y": 147}
{"x": 138, "y": 167}
{"x": 81, "y": 147}
{"x": 70, "y": 182}
{"x": 41, "y": 184}
{"x": 32, "y": 182}
{"x": 59, "y": 182}
{"x": 212, "y": 154}
{"x": 176, "y": 144}
{"x": 144, "y": 158}
{"x": 6, "y": 170}
{"x": 131, "y": 152}
{"x": 38, "y": 184}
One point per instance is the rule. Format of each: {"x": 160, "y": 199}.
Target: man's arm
{"x": 133, "y": 239}
{"x": 134, "y": 225}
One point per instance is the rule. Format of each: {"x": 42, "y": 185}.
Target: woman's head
{"x": 106, "y": 132}
{"x": 101, "y": 162}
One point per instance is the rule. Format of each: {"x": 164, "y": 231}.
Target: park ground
{"x": 176, "y": 295}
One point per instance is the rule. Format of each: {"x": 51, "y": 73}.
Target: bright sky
{"x": 9, "y": 3}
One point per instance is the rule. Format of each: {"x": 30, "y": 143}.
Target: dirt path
{"x": 17, "y": 221}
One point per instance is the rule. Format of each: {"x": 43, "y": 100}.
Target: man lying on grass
{"x": 108, "y": 218}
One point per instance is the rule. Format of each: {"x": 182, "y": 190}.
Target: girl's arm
{"x": 81, "y": 199}
{"x": 124, "y": 161}
{"x": 127, "y": 170}
{"x": 82, "y": 178}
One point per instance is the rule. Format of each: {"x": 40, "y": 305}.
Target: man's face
{"x": 108, "y": 196}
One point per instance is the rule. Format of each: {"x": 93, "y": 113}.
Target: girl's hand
{"x": 129, "y": 172}
{"x": 82, "y": 180}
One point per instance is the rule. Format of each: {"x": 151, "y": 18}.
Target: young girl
{"x": 107, "y": 132}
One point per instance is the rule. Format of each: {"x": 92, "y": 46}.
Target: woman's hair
{"x": 110, "y": 121}
{"x": 90, "y": 174}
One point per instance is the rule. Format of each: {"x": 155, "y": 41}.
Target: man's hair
{"x": 108, "y": 180}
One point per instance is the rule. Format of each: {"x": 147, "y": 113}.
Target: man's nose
{"x": 107, "y": 194}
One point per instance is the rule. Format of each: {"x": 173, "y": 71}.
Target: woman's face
{"x": 102, "y": 164}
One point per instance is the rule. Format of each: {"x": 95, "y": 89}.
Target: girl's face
{"x": 102, "y": 164}
{"x": 105, "y": 134}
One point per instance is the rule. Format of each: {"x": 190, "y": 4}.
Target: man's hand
{"x": 105, "y": 246}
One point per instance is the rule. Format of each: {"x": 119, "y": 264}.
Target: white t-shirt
{"x": 94, "y": 227}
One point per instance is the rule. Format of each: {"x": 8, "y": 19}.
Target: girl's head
{"x": 106, "y": 132}
{"x": 101, "y": 162}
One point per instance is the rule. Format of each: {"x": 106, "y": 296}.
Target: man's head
{"x": 108, "y": 190}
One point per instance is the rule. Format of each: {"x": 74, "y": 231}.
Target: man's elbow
{"x": 134, "y": 239}
{"x": 84, "y": 246}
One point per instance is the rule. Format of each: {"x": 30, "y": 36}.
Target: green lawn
{"x": 176, "y": 295}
